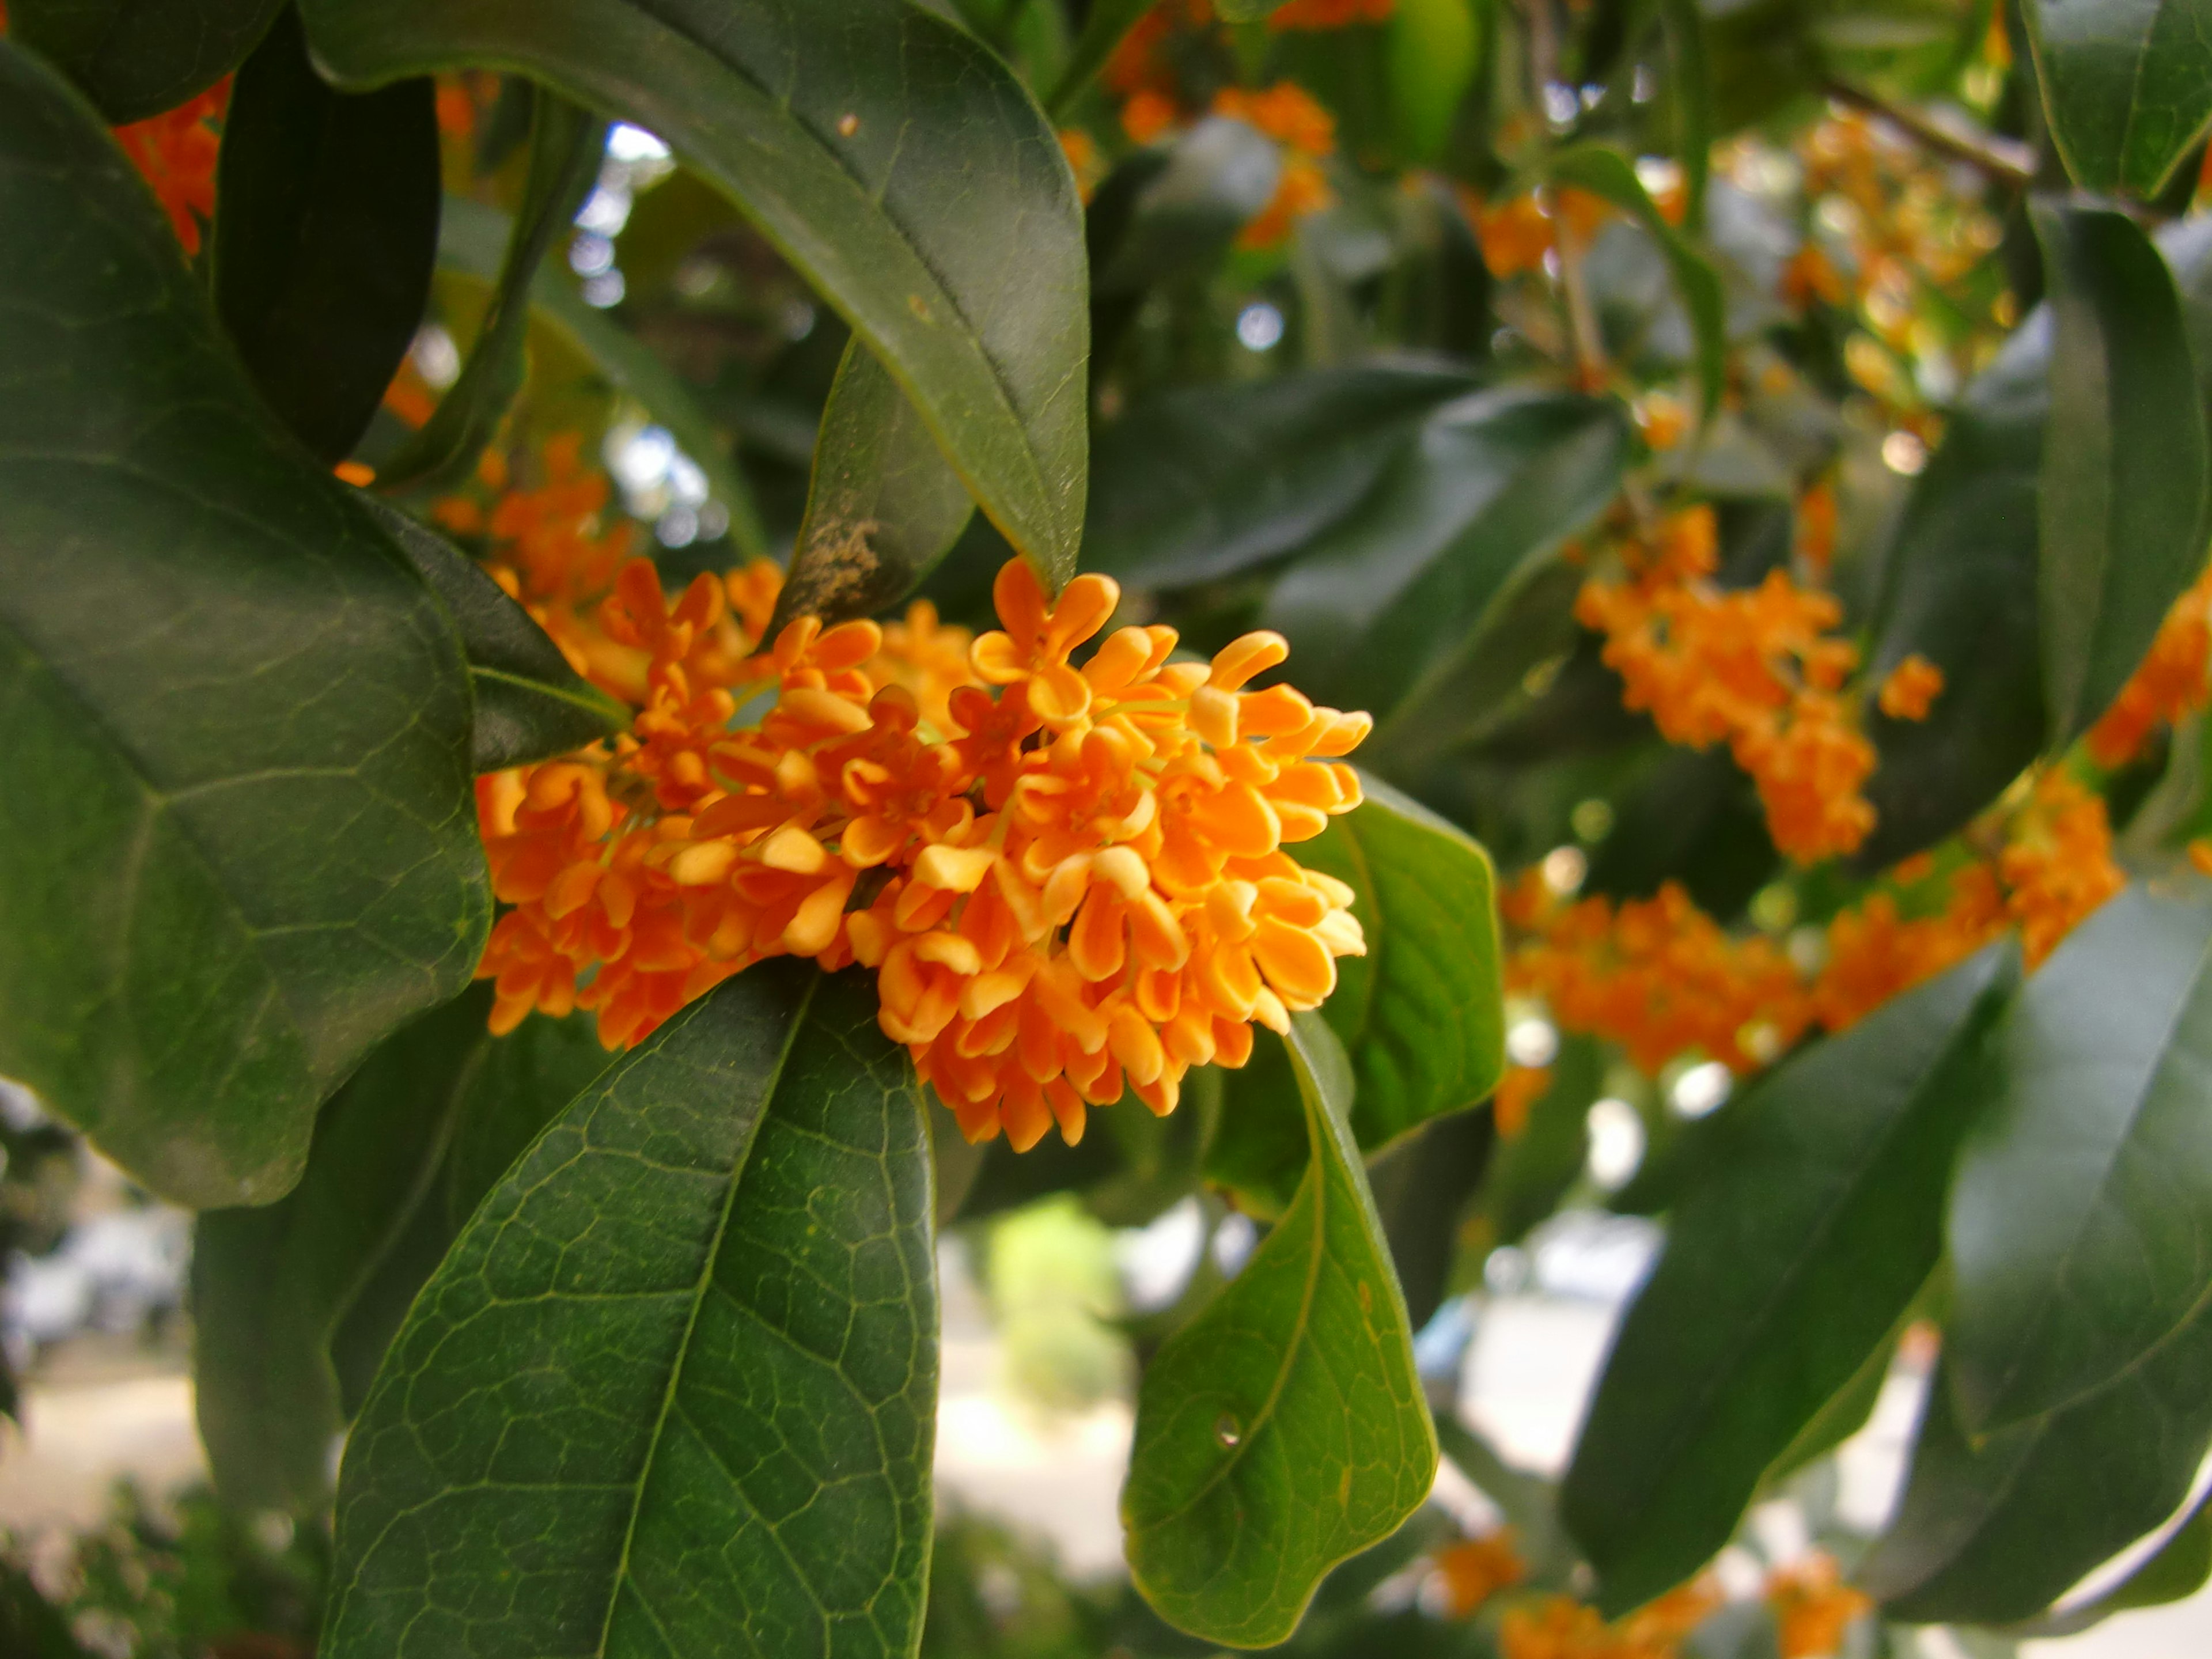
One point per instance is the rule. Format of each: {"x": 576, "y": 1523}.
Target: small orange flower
{"x": 1812, "y": 1607}
{"x": 1083, "y": 159}
{"x": 2058, "y": 864}
{"x": 2170, "y": 682}
{"x": 1148, "y": 116}
{"x": 1911, "y": 688}
{"x": 1518, "y": 1091}
{"x": 176, "y": 151}
{"x": 1475, "y": 1569}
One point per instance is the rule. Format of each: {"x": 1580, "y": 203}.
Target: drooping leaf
{"x": 2081, "y": 1231}
{"x": 472, "y": 241}
{"x": 1607, "y": 174}
{"x": 883, "y": 508}
{"x": 270, "y": 1286}
{"x": 1201, "y": 484}
{"x": 2181, "y": 1567}
{"x": 673, "y": 1392}
{"x": 1787, "y": 1263}
{"x": 1395, "y": 597}
{"x": 2127, "y": 85}
{"x": 530, "y": 704}
{"x": 1104, "y": 26}
{"x": 566, "y": 144}
{"x": 1432, "y": 51}
{"x": 526, "y": 1079}
{"x": 239, "y": 849}
{"x": 1283, "y": 1429}
{"x": 137, "y": 57}
{"x": 1992, "y": 1531}
{"x": 326, "y": 235}
{"x": 1690, "y": 88}
{"x": 2125, "y": 466}
{"x": 890, "y": 154}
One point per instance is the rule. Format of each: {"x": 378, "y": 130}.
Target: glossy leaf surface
{"x": 527, "y": 1079}
{"x": 326, "y": 235}
{"x": 137, "y": 57}
{"x": 2127, "y": 85}
{"x": 891, "y": 155}
{"x": 270, "y": 1286}
{"x": 2080, "y": 1232}
{"x": 243, "y": 849}
{"x": 1801, "y": 1239}
{"x": 2125, "y": 467}
{"x": 673, "y": 1391}
{"x": 883, "y": 508}
{"x": 1283, "y": 1430}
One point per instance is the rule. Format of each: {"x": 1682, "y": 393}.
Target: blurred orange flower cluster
{"x": 1758, "y": 668}
{"x": 177, "y": 152}
{"x": 1307, "y": 132}
{"x": 1560, "y": 1627}
{"x": 2170, "y": 681}
{"x": 1069, "y": 880}
{"x": 1813, "y": 1607}
{"x": 1518, "y": 233}
{"x": 1472, "y": 1571}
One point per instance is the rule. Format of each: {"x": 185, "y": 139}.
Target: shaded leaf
{"x": 888, "y": 153}
{"x": 1103, "y": 27}
{"x": 530, "y": 704}
{"x": 270, "y": 1286}
{"x": 326, "y": 238}
{"x": 2181, "y": 1567}
{"x": 137, "y": 57}
{"x": 1690, "y": 88}
{"x": 1422, "y": 1187}
{"x": 2125, "y": 467}
{"x": 673, "y": 1389}
{"x": 1203, "y": 483}
{"x": 526, "y": 1079}
{"x": 241, "y": 849}
{"x": 1283, "y": 1429}
{"x": 566, "y": 145}
{"x": 1172, "y": 214}
{"x": 2081, "y": 1231}
{"x": 2127, "y": 85}
{"x": 883, "y": 508}
{"x": 1787, "y": 1263}
{"x": 31, "y": 1626}
{"x": 1543, "y": 1158}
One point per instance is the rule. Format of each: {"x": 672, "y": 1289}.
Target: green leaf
{"x": 882, "y": 506}
{"x": 526, "y": 1078}
{"x": 240, "y": 847}
{"x": 2125, "y": 467}
{"x": 1392, "y": 601}
{"x": 1787, "y": 1263}
{"x": 2181, "y": 1567}
{"x": 2081, "y": 1230}
{"x": 1283, "y": 1430}
{"x": 1104, "y": 28}
{"x": 1169, "y": 213}
{"x": 566, "y": 145}
{"x": 673, "y": 1391}
{"x": 1248, "y": 11}
{"x": 1535, "y": 1169}
{"x": 530, "y": 704}
{"x": 1960, "y": 590}
{"x": 270, "y": 1286}
{"x": 1422, "y": 1187}
{"x": 1432, "y": 51}
{"x": 472, "y": 242}
{"x": 1200, "y": 484}
{"x": 889, "y": 154}
{"x": 137, "y": 57}
{"x": 326, "y": 238}
{"x": 2127, "y": 85}
{"x": 1423, "y": 1013}
{"x": 1992, "y": 1531}
{"x": 1690, "y": 88}
{"x": 1607, "y": 174}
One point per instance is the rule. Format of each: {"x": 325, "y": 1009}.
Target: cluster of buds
{"x": 1070, "y": 881}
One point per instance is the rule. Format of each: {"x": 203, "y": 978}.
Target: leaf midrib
{"x": 709, "y": 1259}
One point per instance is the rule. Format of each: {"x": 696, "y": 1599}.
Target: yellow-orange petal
{"x": 954, "y": 869}
{"x": 1213, "y": 715}
{"x": 1123, "y": 869}
{"x": 814, "y": 926}
{"x": 1094, "y": 944}
{"x": 791, "y": 850}
{"x": 1240, "y": 658}
{"x": 1136, "y": 1045}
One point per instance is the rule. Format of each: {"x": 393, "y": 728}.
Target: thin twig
{"x": 2002, "y": 161}
{"x": 1582, "y": 320}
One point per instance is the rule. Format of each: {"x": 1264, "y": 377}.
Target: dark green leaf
{"x": 325, "y": 236}
{"x": 530, "y": 704}
{"x": 672, "y": 1393}
{"x": 1392, "y": 600}
{"x": 2181, "y": 1567}
{"x": 882, "y": 508}
{"x": 1161, "y": 216}
{"x": 472, "y": 241}
{"x": 2081, "y": 1228}
{"x": 526, "y": 1078}
{"x": 1606, "y": 174}
{"x": 1204, "y": 483}
{"x": 269, "y": 1285}
{"x": 1692, "y": 91}
{"x": 1992, "y": 1531}
{"x": 887, "y": 153}
{"x": 1786, "y": 1265}
{"x": 2125, "y": 467}
{"x": 1103, "y": 27}
{"x": 566, "y": 145}
{"x": 137, "y": 57}
{"x": 2127, "y": 85}
{"x": 1259, "y": 1154}
{"x": 240, "y": 847}
{"x": 1432, "y": 51}
{"x": 1282, "y": 1429}
{"x": 1536, "y": 1165}
{"x": 1422, "y": 1187}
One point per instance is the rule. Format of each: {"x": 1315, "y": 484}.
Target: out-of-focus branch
{"x": 2002, "y": 160}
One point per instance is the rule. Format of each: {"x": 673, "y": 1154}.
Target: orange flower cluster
{"x": 1330, "y": 14}
{"x": 1070, "y": 883}
{"x": 1474, "y": 1569}
{"x": 1307, "y": 133}
{"x": 1757, "y": 669}
{"x": 2058, "y": 863}
{"x": 1560, "y": 1627}
{"x": 1141, "y": 70}
{"x": 1876, "y": 952}
{"x": 176, "y": 151}
{"x": 1813, "y": 1607}
{"x": 1911, "y": 688}
{"x": 1516, "y": 235}
{"x": 2169, "y": 683}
